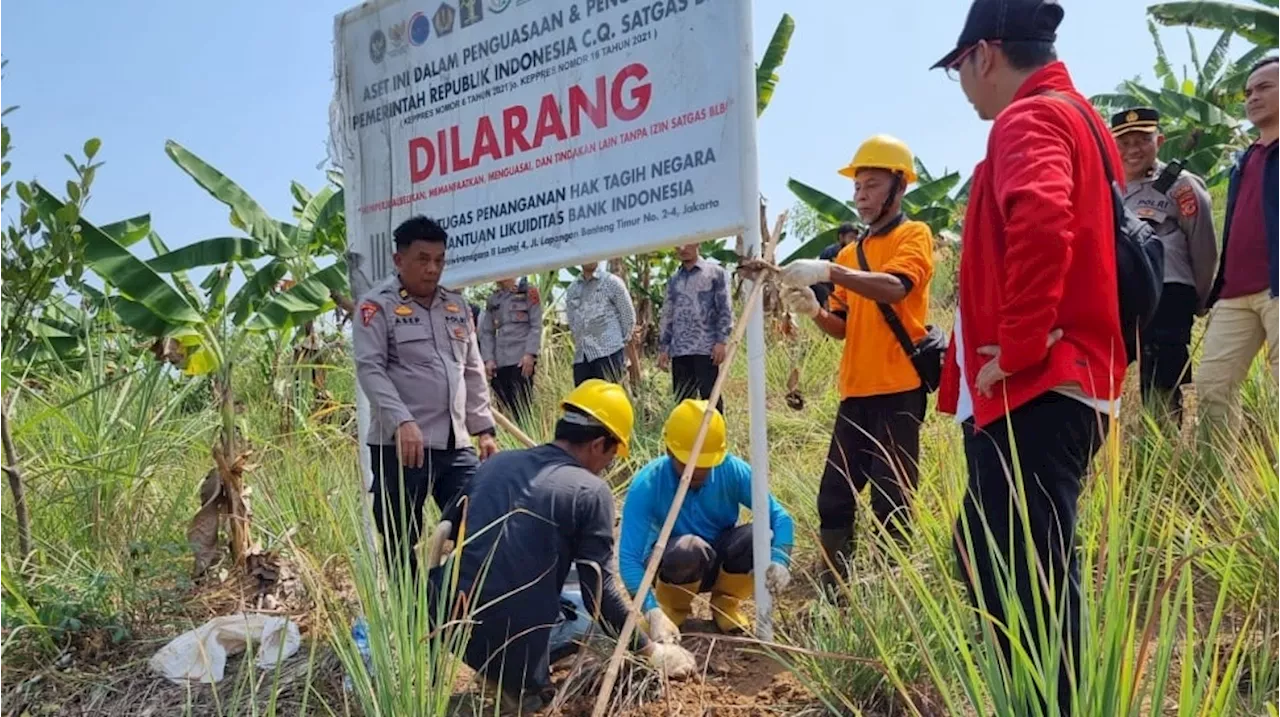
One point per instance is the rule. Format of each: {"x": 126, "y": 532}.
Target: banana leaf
{"x": 1164, "y": 70}
{"x": 933, "y": 191}
{"x": 828, "y": 207}
{"x": 1214, "y": 63}
{"x": 201, "y": 362}
{"x": 124, "y": 271}
{"x": 766, "y": 71}
{"x": 254, "y": 219}
{"x": 180, "y": 279}
{"x": 321, "y": 219}
{"x": 308, "y": 218}
{"x": 207, "y": 252}
{"x": 139, "y": 318}
{"x": 217, "y": 289}
{"x": 1259, "y": 25}
{"x": 303, "y": 301}
{"x": 255, "y": 291}
{"x": 813, "y": 248}
{"x": 128, "y": 232}
{"x": 301, "y": 195}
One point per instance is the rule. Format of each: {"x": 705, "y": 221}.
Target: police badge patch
{"x": 367, "y": 311}
{"x": 1186, "y": 198}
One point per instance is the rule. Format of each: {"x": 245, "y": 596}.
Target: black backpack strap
{"x": 890, "y": 316}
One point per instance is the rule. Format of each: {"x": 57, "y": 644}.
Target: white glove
{"x": 800, "y": 301}
{"x": 675, "y": 661}
{"x": 661, "y": 628}
{"x": 776, "y": 578}
{"x": 806, "y": 272}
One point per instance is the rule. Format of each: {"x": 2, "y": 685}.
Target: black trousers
{"x": 1166, "y": 357}
{"x": 876, "y": 440}
{"x": 398, "y": 500}
{"x": 1056, "y": 438}
{"x": 514, "y": 391}
{"x": 690, "y": 558}
{"x": 694, "y": 377}
{"x": 608, "y": 368}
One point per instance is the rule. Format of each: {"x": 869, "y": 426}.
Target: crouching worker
{"x": 529, "y": 516}
{"x": 708, "y": 551}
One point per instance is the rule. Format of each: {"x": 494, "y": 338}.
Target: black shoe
{"x": 837, "y": 551}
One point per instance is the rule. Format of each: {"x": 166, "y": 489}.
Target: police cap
{"x": 1137, "y": 119}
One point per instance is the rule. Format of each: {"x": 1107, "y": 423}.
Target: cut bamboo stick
{"x": 507, "y": 425}
{"x": 637, "y": 603}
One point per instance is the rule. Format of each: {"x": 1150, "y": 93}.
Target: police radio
{"x": 1167, "y": 177}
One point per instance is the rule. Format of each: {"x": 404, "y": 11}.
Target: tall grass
{"x": 1177, "y": 539}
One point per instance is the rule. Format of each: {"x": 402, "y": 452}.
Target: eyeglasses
{"x": 953, "y": 70}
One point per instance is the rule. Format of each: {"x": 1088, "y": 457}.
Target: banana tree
{"x": 157, "y": 299}
{"x": 1200, "y": 110}
{"x": 293, "y": 254}
{"x": 1257, "y": 22}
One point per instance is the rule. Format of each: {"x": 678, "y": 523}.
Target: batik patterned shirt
{"x": 698, "y": 313}
{"x": 601, "y": 317}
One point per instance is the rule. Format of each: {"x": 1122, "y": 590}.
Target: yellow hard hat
{"x": 682, "y": 428}
{"x": 607, "y": 403}
{"x": 883, "y": 152}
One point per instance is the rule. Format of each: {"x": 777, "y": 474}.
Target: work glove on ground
{"x": 800, "y": 301}
{"x": 661, "y": 628}
{"x": 806, "y": 272}
{"x": 674, "y": 661}
{"x": 776, "y": 578}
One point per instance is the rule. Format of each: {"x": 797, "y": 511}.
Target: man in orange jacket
{"x": 876, "y": 439}
{"x": 1037, "y": 357}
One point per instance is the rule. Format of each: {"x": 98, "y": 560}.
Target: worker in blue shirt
{"x": 708, "y": 551}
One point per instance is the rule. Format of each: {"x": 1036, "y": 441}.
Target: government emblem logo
{"x": 472, "y": 12}
{"x": 419, "y": 28}
{"x": 443, "y": 19}
{"x": 396, "y": 34}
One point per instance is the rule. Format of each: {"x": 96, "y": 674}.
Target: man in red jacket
{"x": 1036, "y": 358}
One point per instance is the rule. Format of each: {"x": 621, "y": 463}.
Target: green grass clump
{"x": 1178, "y": 541}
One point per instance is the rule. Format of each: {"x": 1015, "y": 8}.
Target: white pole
{"x": 760, "y": 532}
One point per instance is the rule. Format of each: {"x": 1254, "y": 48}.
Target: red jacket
{"x": 1038, "y": 254}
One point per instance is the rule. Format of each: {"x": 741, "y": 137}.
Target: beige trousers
{"x": 1237, "y": 329}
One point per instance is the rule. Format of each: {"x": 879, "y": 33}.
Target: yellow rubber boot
{"x": 726, "y": 601}
{"x": 676, "y": 600}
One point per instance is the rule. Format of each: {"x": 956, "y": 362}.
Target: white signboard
{"x": 540, "y": 133}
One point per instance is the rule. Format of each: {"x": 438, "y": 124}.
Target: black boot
{"x": 837, "y": 551}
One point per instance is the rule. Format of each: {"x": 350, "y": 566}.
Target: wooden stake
{"x": 637, "y": 603}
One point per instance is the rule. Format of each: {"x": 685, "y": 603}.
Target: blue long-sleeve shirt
{"x": 706, "y": 513}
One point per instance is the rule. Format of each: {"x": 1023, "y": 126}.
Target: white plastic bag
{"x": 201, "y": 654}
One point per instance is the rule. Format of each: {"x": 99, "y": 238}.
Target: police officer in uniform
{"x": 418, "y": 362}
{"x": 1177, "y": 205}
{"x": 510, "y": 340}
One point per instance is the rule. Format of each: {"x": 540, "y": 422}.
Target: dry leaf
{"x": 202, "y": 534}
